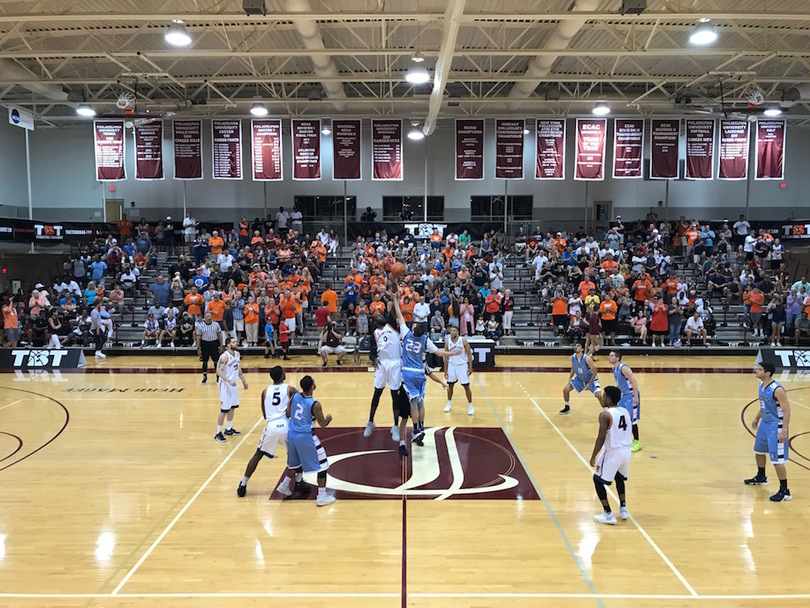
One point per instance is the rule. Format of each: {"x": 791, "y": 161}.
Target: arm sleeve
{"x": 403, "y": 331}
{"x": 430, "y": 346}
{"x": 372, "y": 351}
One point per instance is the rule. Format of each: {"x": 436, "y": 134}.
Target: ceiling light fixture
{"x": 417, "y": 73}
{"x": 326, "y": 128}
{"x": 177, "y": 35}
{"x": 416, "y": 133}
{"x": 773, "y": 111}
{"x": 258, "y": 109}
{"x": 85, "y": 109}
{"x": 704, "y": 34}
{"x": 601, "y": 109}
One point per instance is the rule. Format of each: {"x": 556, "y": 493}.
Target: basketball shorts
{"x": 388, "y": 373}
{"x": 402, "y": 405}
{"x": 767, "y": 442}
{"x": 290, "y": 324}
{"x": 414, "y": 384}
{"x": 579, "y": 385}
{"x": 627, "y": 403}
{"x": 611, "y": 462}
{"x": 228, "y": 397}
{"x": 457, "y": 372}
{"x": 275, "y": 433}
{"x": 305, "y": 450}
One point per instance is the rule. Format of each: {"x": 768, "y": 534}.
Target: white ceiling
{"x": 344, "y": 57}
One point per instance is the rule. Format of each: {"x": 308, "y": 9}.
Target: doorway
{"x": 114, "y": 208}
{"x": 602, "y": 211}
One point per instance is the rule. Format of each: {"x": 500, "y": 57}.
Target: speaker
{"x": 633, "y": 7}
{"x": 254, "y": 7}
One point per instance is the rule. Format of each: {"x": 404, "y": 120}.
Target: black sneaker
{"x": 565, "y": 410}
{"x": 241, "y": 491}
{"x": 220, "y": 437}
{"x": 267, "y": 356}
{"x": 756, "y": 480}
{"x": 418, "y": 440}
{"x": 403, "y": 451}
{"x": 324, "y": 363}
{"x": 205, "y": 378}
{"x": 232, "y": 432}
{"x": 302, "y": 487}
{"x": 286, "y": 358}
{"x": 781, "y": 495}
{"x": 339, "y": 363}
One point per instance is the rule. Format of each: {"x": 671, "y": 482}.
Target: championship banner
{"x": 770, "y": 149}
{"x": 628, "y": 148}
{"x": 306, "y": 136}
{"x": 149, "y": 151}
{"x": 346, "y": 149}
{"x": 226, "y": 142}
{"x": 266, "y": 150}
{"x": 110, "y": 144}
{"x": 664, "y": 138}
{"x": 386, "y": 150}
{"x": 550, "y": 162}
{"x": 187, "y": 137}
{"x": 734, "y": 143}
{"x": 469, "y": 149}
{"x": 699, "y": 149}
{"x": 509, "y": 148}
{"x": 590, "y": 159}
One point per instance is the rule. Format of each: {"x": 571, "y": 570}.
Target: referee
{"x": 209, "y": 341}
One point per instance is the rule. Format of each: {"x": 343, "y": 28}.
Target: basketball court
{"x": 116, "y": 495}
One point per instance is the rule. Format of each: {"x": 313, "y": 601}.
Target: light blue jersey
{"x": 768, "y": 405}
{"x": 627, "y": 393}
{"x": 767, "y": 439}
{"x": 301, "y": 414}
{"x": 583, "y": 375}
{"x": 413, "y": 352}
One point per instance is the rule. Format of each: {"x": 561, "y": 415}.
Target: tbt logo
{"x": 790, "y": 358}
{"x": 24, "y": 357}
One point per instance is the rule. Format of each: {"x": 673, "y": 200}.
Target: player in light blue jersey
{"x": 304, "y": 449}
{"x": 771, "y": 424}
{"x": 631, "y": 397}
{"x": 415, "y": 344}
{"x": 582, "y": 377}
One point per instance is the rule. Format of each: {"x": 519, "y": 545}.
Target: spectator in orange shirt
{"x": 124, "y": 227}
{"x": 194, "y": 302}
{"x": 641, "y": 292}
{"x": 436, "y": 240}
{"x": 755, "y": 301}
{"x": 585, "y": 288}
{"x": 216, "y": 307}
{"x": 377, "y": 306}
{"x": 216, "y": 242}
{"x": 329, "y": 298}
{"x": 608, "y": 309}
{"x": 559, "y": 311}
{"x": 257, "y": 238}
{"x": 407, "y": 310}
{"x": 559, "y": 242}
{"x": 251, "y": 313}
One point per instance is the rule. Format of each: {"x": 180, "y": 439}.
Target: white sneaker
{"x": 284, "y": 488}
{"x": 623, "y": 514}
{"x": 470, "y": 410}
{"x": 653, "y": 345}
{"x": 158, "y": 345}
{"x": 779, "y": 344}
{"x": 325, "y": 500}
{"x": 172, "y": 345}
{"x": 448, "y": 407}
{"x": 395, "y": 433}
{"x": 369, "y": 428}
{"x": 605, "y": 518}
{"x": 100, "y": 355}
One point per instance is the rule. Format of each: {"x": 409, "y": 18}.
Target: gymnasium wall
{"x": 64, "y": 185}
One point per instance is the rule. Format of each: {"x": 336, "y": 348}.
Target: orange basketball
{"x": 397, "y": 269}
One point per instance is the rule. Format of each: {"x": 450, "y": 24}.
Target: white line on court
{"x": 183, "y": 510}
{"x": 643, "y": 532}
{"x": 10, "y": 404}
{"x": 792, "y": 402}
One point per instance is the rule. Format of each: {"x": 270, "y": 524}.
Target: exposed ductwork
{"x": 323, "y": 65}
{"x": 540, "y": 67}
{"x": 452, "y": 22}
{"x": 11, "y": 71}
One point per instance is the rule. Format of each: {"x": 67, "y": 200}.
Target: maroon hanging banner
{"x": 226, "y": 141}
{"x": 771, "y": 149}
{"x": 266, "y": 150}
{"x": 628, "y": 148}
{"x": 590, "y": 160}
{"x": 306, "y": 136}
{"x": 149, "y": 151}
{"x": 109, "y": 141}
{"x": 509, "y": 148}
{"x": 346, "y": 149}
{"x": 187, "y": 137}
{"x": 469, "y": 149}
{"x": 734, "y": 143}
{"x": 550, "y": 161}
{"x": 699, "y": 148}
{"x": 664, "y": 139}
{"x": 386, "y": 149}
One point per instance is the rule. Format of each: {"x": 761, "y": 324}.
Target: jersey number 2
{"x": 299, "y": 409}
{"x": 623, "y": 423}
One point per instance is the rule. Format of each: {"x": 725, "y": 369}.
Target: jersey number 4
{"x": 622, "y": 423}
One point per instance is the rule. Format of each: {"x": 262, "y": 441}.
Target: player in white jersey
{"x": 228, "y": 372}
{"x": 611, "y": 453}
{"x": 275, "y": 399}
{"x": 458, "y": 368}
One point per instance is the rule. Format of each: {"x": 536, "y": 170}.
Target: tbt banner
{"x": 306, "y": 136}
{"x": 699, "y": 149}
{"x": 187, "y": 137}
{"x": 346, "y": 149}
{"x": 266, "y": 150}
{"x": 734, "y": 143}
{"x": 109, "y": 142}
{"x": 386, "y": 149}
{"x": 770, "y": 149}
{"x": 41, "y": 358}
{"x": 469, "y": 149}
{"x": 550, "y": 161}
{"x": 509, "y": 149}
{"x": 664, "y": 149}
{"x": 226, "y": 156}
{"x": 590, "y": 160}
{"x": 628, "y": 148}
{"x": 149, "y": 151}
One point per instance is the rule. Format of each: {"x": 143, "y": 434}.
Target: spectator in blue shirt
{"x": 161, "y": 291}
{"x": 98, "y": 267}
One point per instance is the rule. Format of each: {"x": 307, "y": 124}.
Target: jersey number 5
{"x": 276, "y": 399}
{"x": 623, "y": 423}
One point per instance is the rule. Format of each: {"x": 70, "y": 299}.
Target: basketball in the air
{"x": 397, "y": 269}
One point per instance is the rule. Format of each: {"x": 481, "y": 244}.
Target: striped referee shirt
{"x": 208, "y": 333}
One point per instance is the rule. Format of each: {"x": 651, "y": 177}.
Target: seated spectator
{"x": 151, "y": 330}
{"x": 329, "y": 344}
{"x": 694, "y": 325}
{"x": 168, "y": 330}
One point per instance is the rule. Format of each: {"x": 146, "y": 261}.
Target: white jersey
{"x": 620, "y": 431}
{"x": 231, "y": 368}
{"x": 276, "y": 400}
{"x": 388, "y": 344}
{"x": 456, "y": 359}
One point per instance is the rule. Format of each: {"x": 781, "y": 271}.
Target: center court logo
{"x": 454, "y": 463}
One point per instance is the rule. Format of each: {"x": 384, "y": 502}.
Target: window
{"x": 401, "y": 208}
{"x": 490, "y": 208}
{"x": 317, "y": 207}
